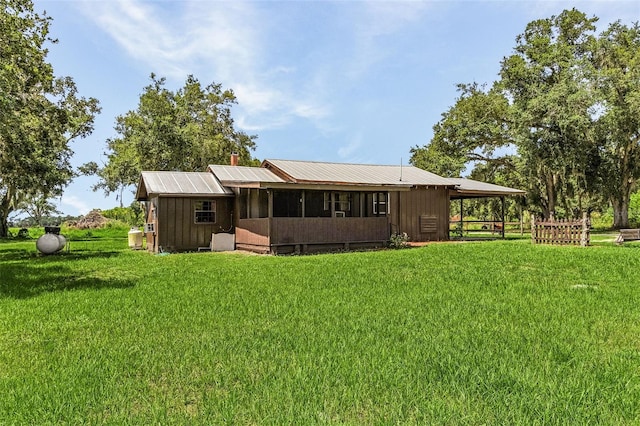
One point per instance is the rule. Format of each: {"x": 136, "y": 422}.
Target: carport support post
{"x": 502, "y": 200}
{"x": 461, "y": 213}
{"x": 521, "y": 222}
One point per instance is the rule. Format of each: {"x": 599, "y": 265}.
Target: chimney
{"x": 234, "y": 158}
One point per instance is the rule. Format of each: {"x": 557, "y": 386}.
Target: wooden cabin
{"x": 287, "y": 206}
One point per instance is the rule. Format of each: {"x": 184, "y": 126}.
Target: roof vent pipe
{"x": 234, "y": 158}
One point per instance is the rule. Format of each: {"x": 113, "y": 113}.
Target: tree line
{"x": 562, "y": 121}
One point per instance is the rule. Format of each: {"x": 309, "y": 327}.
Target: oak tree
{"x": 185, "y": 130}
{"x": 542, "y": 109}
{"x": 617, "y": 61}
{"x": 39, "y": 114}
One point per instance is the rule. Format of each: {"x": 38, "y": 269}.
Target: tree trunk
{"x": 4, "y": 228}
{"x": 551, "y": 196}
{"x": 620, "y": 212}
{"x": 5, "y": 209}
{"x": 121, "y": 191}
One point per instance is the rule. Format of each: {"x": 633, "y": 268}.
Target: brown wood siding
{"x": 252, "y": 233}
{"x": 323, "y": 230}
{"x": 407, "y": 208}
{"x": 175, "y": 227}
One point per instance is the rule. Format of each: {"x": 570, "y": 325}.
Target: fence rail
{"x": 561, "y": 232}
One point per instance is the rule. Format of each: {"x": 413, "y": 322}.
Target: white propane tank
{"x": 135, "y": 239}
{"x": 62, "y": 241}
{"x": 50, "y": 243}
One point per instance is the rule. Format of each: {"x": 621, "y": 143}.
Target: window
{"x": 342, "y": 202}
{"x": 380, "y": 203}
{"x": 205, "y": 211}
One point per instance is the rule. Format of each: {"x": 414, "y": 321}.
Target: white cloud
{"x": 139, "y": 31}
{"x": 383, "y": 18}
{"x": 373, "y": 22}
{"x": 226, "y": 42}
{"x": 347, "y": 150}
{"x": 73, "y": 201}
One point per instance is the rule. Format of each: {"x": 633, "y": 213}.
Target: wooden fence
{"x": 561, "y": 232}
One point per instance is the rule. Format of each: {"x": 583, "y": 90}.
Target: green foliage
{"x": 185, "y": 130}
{"x": 470, "y": 131}
{"x": 39, "y": 113}
{"x": 132, "y": 215}
{"x": 29, "y": 222}
{"x": 474, "y": 333}
{"x": 399, "y": 241}
{"x": 604, "y": 219}
{"x": 38, "y": 208}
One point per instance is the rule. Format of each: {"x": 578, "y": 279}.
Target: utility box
{"x": 135, "y": 239}
{"x": 223, "y": 242}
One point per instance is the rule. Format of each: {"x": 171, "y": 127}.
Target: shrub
{"x": 23, "y": 234}
{"x": 399, "y": 241}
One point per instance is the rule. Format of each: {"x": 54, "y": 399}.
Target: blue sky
{"x": 342, "y": 81}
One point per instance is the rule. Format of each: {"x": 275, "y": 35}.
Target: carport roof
{"x": 468, "y": 188}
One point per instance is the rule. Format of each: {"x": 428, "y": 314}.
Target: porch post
{"x": 248, "y": 207}
{"x": 521, "y": 222}
{"x": 270, "y": 219}
{"x": 333, "y": 203}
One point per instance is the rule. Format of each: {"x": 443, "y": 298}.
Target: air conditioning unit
{"x": 149, "y": 228}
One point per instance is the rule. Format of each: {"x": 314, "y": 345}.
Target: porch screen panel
{"x": 315, "y": 204}
{"x": 287, "y": 203}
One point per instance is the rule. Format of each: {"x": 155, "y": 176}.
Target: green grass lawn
{"x": 498, "y": 332}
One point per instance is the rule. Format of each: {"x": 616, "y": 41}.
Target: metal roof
{"x": 469, "y": 187}
{"x": 278, "y": 172}
{"x": 179, "y": 184}
{"x": 243, "y": 174}
{"x": 355, "y": 174}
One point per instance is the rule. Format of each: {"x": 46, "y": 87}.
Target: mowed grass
{"x": 460, "y": 333}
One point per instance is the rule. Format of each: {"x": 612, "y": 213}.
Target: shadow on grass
{"x": 25, "y": 274}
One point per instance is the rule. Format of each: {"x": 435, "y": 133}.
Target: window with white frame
{"x": 380, "y": 203}
{"x": 342, "y": 202}
{"x": 205, "y": 211}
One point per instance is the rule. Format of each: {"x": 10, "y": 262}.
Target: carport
{"x": 472, "y": 189}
